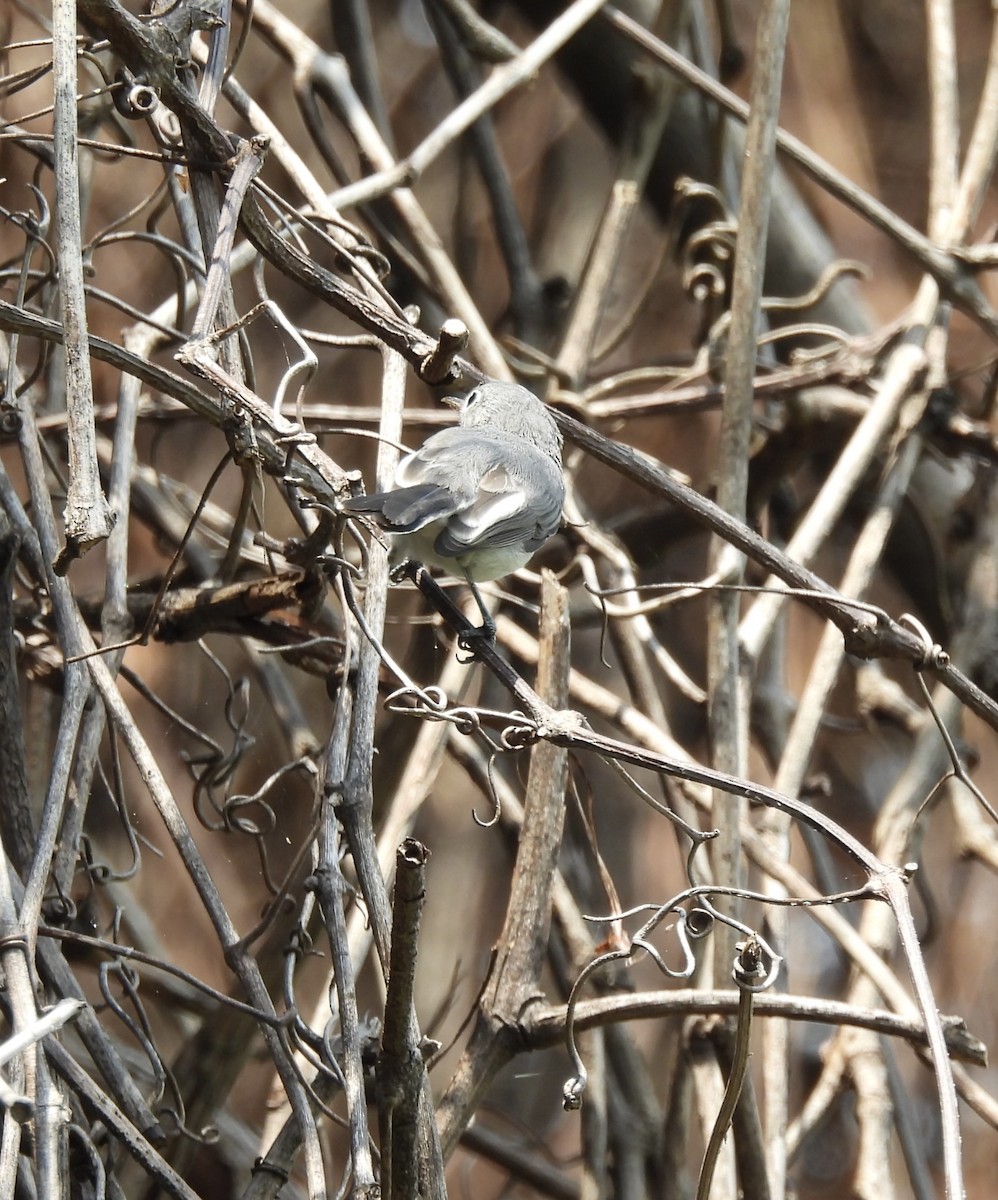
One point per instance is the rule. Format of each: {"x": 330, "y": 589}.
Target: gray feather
{"x": 482, "y": 496}
{"x": 405, "y": 509}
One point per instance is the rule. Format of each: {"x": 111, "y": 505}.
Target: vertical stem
{"x": 88, "y": 519}
{"x": 944, "y": 114}
{"x": 727, "y": 678}
{"x": 358, "y": 797}
{"x": 400, "y": 1067}
{"x": 51, "y": 1136}
{"x": 16, "y": 822}
{"x": 753, "y": 229}
{"x": 642, "y": 135}
{"x": 330, "y": 889}
{"x": 727, "y": 704}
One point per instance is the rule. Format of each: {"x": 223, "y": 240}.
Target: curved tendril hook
{"x": 496, "y": 801}
{"x": 749, "y": 969}
{"x": 934, "y": 656}
{"x": 575, "y": 1087}
{"x": 823, "y": 285}
{"x": 689, "y": 960}
{"x": 753, "y": 936}
{"x": 521, "y": 731}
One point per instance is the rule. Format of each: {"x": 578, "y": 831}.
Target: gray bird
{"x": 479, "y": 498}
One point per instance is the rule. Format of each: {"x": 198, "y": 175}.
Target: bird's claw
{"x": 471, "y": 640}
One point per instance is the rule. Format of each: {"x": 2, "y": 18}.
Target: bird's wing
{"x": 491, "y": 490}
{"x": 510, "y": 507}
{"x": 418, "y": 497}
{"x": 442, "y": 457}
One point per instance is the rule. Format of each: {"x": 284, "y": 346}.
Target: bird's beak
{"x": 453, "y": 401}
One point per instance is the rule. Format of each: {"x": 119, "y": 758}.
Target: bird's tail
{"x": 405, "y": 509}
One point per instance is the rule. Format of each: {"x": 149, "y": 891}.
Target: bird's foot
{"x": 402, "y": 571}
{"x": 471, "y": 640}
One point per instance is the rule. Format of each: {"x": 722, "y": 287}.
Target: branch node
{"x": 439, "y": 367}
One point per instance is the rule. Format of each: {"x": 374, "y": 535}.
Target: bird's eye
{"x": 474, "y": 395}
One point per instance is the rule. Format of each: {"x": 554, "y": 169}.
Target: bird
{"x": 479, "y": 498}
